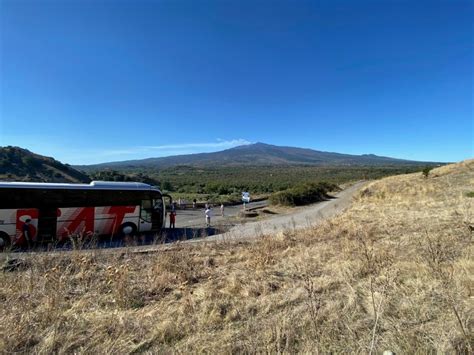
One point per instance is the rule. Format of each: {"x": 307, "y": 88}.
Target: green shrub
{"x": 167, "y": 186}
{"x": 303, "y": 194}
{"x": 217, "y": 188}
{"x": 426, "y": 171}
{"x": 31, "y": 162}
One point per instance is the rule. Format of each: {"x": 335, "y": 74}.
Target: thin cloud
{"x": 167, "y": 149}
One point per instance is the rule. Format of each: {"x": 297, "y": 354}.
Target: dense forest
{"x": 225, "y": 184}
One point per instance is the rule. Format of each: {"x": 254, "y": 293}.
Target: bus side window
{"x": 145, "y": 211}
{"x": 158, "y": 204}
{"x": 146, "y": 204}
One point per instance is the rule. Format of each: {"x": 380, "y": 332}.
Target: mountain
{"x": 258, "y": 154}
{"x": 18, "y": 164}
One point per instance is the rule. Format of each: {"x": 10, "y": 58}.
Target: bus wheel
{"x": 128, "y": 229}
{"x": 4, "y": 241}
{"x": 127, "y": 233}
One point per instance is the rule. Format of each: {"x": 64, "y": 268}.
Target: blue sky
{"x": 93, "y": 81}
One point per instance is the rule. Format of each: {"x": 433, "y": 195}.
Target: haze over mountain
{"x": 257, "y": 154}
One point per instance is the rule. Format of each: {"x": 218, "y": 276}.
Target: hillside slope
{"x": 255, "y": 155}
{"x": 18, "y": 164}
{"x": 394, "y": 272}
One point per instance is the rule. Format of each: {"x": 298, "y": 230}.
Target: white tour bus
{"x": 47, "y": 212}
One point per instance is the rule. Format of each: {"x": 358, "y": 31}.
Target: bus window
{"x": 158, "y": 204}
{"x": 146, "y": 204}
{"x": 146, "y": 210}
{"x": 158, "y": 213}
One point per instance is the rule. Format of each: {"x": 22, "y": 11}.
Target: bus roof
{"x": 94, "y": 185}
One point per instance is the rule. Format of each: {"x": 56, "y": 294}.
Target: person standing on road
{"x": 208, "y": 213}
{"x": 172, "y": 218}
{"x": 222, "y": 209}
{"x": 27, "y": 234}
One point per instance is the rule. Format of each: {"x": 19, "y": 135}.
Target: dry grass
{"x": 393, "y": 272}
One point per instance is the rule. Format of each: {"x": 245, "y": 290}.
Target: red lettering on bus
{"x": 119, "y": 213}
{"x": 82, "y": 216}
{"x": 21, "y": 216}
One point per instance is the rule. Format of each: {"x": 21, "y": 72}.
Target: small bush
{"x": 470, "y": 194}
{"x": 426, "y": 171}
{"x": 303, "y": 194}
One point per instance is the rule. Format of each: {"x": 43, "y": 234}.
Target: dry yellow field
{"x": 394, "y": 272}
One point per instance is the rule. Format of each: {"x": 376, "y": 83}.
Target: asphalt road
{"x": 299, "y": 218}
{"x": 190, "y": 218}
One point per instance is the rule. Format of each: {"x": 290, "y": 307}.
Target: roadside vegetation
{"x": 426, "y": 171}
{"x": 394, "y": 272}
{"x": 303, "y": 194}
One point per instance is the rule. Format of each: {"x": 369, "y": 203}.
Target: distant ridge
{"x": 257, "y": 154}
{"x": 18, "y": 164}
